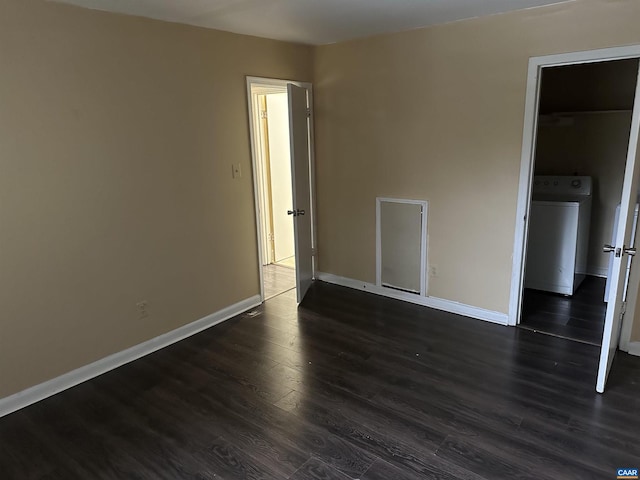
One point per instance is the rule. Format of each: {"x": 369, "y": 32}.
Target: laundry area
{"x": 581, "y": 147}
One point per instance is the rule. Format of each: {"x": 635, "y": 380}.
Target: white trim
{"x": 423, "y": 241}
{"x": 312, "y": 175}
{"x": 70, "y": 379}
{"x": 278, "y": 82}
{"x": 634, "y": 349}
{"x": 587, "y": 56}
{"x": 274, "y": 82}
{"x": 256, "y": 185}
{"x": 601, "y": 272}
{"x": 431, "y": 302}
{"x": 528, "y": 147}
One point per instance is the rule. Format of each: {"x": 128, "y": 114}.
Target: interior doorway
{"x": 619, "y": 250}
{"x": 274, "y": 165}
{"x": 579, "y": 164}
{"x": 280, "y": 120}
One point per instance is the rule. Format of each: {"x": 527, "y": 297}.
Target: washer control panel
{"x": 561, "y": 185}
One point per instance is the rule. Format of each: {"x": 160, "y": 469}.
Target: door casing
{"x": 529, "y": 135}
{"x": 265, "y": 83}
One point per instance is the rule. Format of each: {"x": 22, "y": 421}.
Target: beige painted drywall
{"x": 633, "y": 306}
{"x": 635, "y": 331}
{"x": 595, "y": 145}
{"x": 437, "y": 114}
{"x": 117, "y": 136}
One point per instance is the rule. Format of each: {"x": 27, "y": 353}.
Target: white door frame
{"x": 529, "y": 135}
{"x": 266, "y": 82}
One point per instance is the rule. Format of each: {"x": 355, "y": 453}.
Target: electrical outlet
{"x": 143, "y": 311}
{"x": 433, "y": 271}
{"x": 236, "y": 170}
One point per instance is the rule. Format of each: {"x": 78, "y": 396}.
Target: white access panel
{"x": 401, "y": 233}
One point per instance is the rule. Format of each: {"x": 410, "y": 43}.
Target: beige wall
{"x": 635, "y": 331}
{"x": 595, "y": 145}
{"x": 117, "y": 136}
{"x": 437, "y": 114}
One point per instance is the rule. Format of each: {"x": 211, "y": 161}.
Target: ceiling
{"x": 315, "y": 22}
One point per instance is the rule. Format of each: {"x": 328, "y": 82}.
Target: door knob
{"x": 300, "y": 212}
{"x": 292, "y": 212}
{"x": 630, "y": 251}
{"x": 608, "y": 248}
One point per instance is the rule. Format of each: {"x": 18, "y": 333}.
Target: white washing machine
{"x": 559, "y": 222}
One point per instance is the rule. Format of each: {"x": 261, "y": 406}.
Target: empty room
{"x": 302, "y": 239}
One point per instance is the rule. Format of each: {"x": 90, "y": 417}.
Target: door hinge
{"x": 314, "y": 251}
{"x": 308, "y": 113}
{"x": 623, "y": 309}
{"x": 263, "y": 114}
{"x": 270, "y": 237}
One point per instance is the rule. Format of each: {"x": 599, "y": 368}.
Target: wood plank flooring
{"x": 580, "y": 317}
{"x": 347, "y": 386}
{"x": 277, "y": 279}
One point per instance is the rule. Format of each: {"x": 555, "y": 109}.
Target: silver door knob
{"x": 608, "y": 248}
{"x": 291, "y": 212}
{"x": 300, "y": 212}
{"x": 630, "y": 251}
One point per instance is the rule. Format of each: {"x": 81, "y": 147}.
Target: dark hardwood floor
{"x": 348, "y": 385}
{"x": 580, "y": 317}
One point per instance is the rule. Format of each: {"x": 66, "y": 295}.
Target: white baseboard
{"x": 432, "y": 302}
{"x": 51, "y": 387}
{"x": 634, "y": 349}
{"x": 601, "y": 272}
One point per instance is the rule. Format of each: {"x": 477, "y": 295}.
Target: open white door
{"x": 616, "y": 308}
{"x": 300, "y": 179}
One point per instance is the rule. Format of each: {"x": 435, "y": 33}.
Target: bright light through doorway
{"x": 273, "y": 165}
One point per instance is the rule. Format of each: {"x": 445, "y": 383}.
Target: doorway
{"x": 281, "y": 141}
{"x": 619, "y": 248}
{"x": 580, "y": 154}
